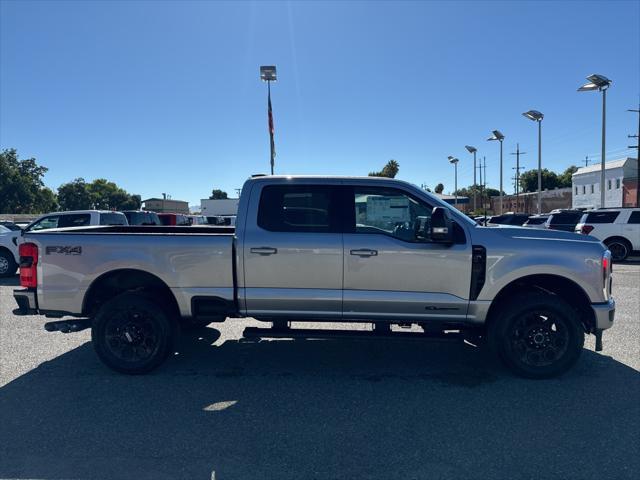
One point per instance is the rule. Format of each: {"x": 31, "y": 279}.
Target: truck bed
{"x": 191, "y": 261}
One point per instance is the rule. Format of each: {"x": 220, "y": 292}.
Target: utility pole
{"x": 517, "y": 153}
{"x": 484, "y": 188}
{"x": 637, "y": 136}
{"x": 479, "y": 167}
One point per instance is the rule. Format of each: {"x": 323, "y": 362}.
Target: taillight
{"x": 607, "y": 267}
{"x": 586, "y": 229}
{"x": 28, "y": 263}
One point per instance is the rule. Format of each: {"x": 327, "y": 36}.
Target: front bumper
{"x": 604, "y": 314}
{"x": 26, "y": 300}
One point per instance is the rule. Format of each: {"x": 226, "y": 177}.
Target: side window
{"x": 635, "y": 217}
{"x": 390, "y": 212}
{"x": 298, "y": 208}
{"x": 584, "y": 189}
{"x": 576, "y": 190}
{"x": 74, "y": 220}
{"x": 45, "y": 224}
{"x": 602, "y": 217}
{"x": 112, "y": 219}
{"x": 617, "y": 183}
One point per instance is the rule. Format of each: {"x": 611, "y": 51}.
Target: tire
{"x": 537, "y": 335}
{"x": 132, "y": 333}
{"x": 619, "y": 248}
{"x": 8, "y": 265}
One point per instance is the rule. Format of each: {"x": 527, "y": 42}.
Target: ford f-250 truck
{"x": 371, "y": 250}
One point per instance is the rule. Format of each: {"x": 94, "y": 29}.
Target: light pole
{"x": 536, "y": 116}
{"x": 268, "y": 74}
{"x": 602, "y": 83}
{"x": 637, "y": 137}
{"x": 473, "y": 150}
{"x": 499, "y": 137}
{"x": 455, "y": 183}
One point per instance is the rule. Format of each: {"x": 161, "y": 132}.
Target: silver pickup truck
{"x": 371, "y": 250}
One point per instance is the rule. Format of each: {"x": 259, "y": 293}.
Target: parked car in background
{"x": 198, "y": 220}
{"x": 142, "y": 217}
{"x": 509, "y": 218}
{"x": 536, "y": 221}
{"x": 173, "y": 219}
{"x": 10, "y": 226}
{"x": 617, "y": 228}
{"x": 9, "y": 257}
{"x": 222, "y": 220}
{"x": 77, "y": 218}
{"x": 565, "y": 220}
{"x": 481, "y": 220}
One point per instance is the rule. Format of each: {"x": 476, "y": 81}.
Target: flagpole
{"x": 272, "y": 145}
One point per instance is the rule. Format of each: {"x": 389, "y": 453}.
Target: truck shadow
{"x": 319, "y": 409}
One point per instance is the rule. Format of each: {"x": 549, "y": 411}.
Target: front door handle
{"x": 364, "y": 252}
{"x": 264, "y": 250}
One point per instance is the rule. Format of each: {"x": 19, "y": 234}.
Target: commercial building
{"x": 528, "y": 202}
{"x": 620, "y": 178}
{"x": 165, "y": 205}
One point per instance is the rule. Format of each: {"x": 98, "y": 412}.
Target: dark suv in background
{"x": 565, "y": 220}
{"x": 141, "y": 217}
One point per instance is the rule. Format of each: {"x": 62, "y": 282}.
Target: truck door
{"x": 391, "y": 273}
{"x": 293, "y": 253}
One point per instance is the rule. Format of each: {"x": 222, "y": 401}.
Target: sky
{"x": 163, "y": 96}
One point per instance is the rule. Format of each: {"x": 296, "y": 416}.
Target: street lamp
{"x": 473, "y": 150}
{"x": 268, "y": 74}
{"x": 455, "y": 191}
{"x": 536, "y": 116}
{"x": 602, "y": 83}
{"x": 499, "y": 137}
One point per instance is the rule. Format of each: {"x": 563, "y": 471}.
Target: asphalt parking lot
{"x": 231, "y": 408}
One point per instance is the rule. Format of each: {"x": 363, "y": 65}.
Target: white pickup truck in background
{"x": 361, "y": 250}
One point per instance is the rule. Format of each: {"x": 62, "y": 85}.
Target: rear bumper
{"x": 604, "y": 314}
{"x": 26, "y": 300}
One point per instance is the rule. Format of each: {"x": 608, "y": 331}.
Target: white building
{"x": 617, "y": 177}
{"x": 216, "y": 208}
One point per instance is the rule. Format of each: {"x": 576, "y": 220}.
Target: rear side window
{"x": 602, "y": 217}
{"x": 297, "y": 208}
{"x": 536, "y": 220}
{"x": 74, "y": 220}
{"x": 635, "y": 217}
{"x": 566, "y": 218}
{"x": 112, "y": 219}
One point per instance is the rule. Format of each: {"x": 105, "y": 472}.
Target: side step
{"x": 256, "y": 332}
{"x": 68, "y": 326}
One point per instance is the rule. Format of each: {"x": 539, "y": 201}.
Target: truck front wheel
{"x": 132, "y": 334}
{"x": 537, "y": 335}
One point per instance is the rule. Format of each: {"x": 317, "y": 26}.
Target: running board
{"x": 255, "y": 332}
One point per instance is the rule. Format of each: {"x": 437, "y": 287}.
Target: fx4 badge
{"x": 65, "y": 250}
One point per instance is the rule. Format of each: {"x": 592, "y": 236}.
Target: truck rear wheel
{"x": 537, "y": 335}
{"x": 132, "y": 334}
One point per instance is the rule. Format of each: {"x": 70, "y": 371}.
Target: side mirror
{"x": 441, "y": 226}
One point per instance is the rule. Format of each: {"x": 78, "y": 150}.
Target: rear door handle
{"x": 364, "y": 252}
{"x": 264, "y": 250}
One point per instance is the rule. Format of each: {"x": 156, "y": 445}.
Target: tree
{"x": 75, "y": 195}
{"x": 390, "y": 170}
{"x": 217, "y": 194}
{"x": 21, "y": 187}
{"x": 564, "y": 179}
{"x": 439, "y": 188}
{"x": 529, "y": 180}
{"x": 99, "y": 194}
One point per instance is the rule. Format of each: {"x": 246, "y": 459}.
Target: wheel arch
{"x": 563, "y": 287}
{"x": 115, "y": 282}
